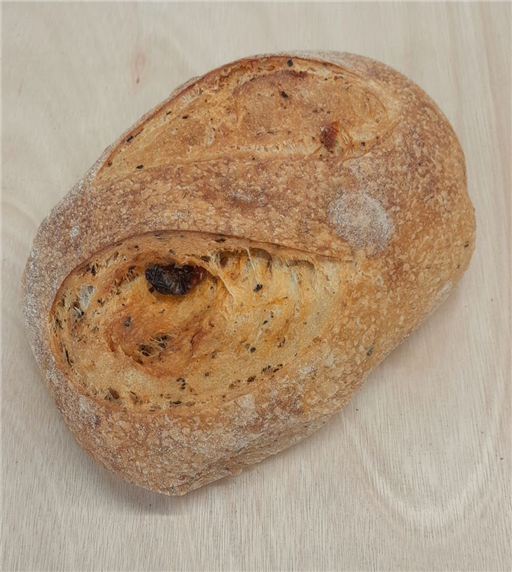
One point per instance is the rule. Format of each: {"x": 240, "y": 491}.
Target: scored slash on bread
{"x": 225, "y": 276}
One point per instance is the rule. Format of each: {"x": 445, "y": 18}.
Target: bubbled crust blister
{"x": 352, "y": 162}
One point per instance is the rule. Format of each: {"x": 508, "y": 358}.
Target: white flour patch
{"x": 361, "y": 220}
{"x": 444, "y": 292}
{"x": 85, "y": 294}
{"x": 307, "y": 369}
{"x": 239, "y": 196}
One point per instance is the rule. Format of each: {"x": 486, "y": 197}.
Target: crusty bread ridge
{"x": 309, "y": 211}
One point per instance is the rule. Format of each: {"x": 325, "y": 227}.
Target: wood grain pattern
{"x": 414, "y": 474}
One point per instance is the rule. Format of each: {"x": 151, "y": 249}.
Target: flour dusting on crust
{"x": 361, "y": 220}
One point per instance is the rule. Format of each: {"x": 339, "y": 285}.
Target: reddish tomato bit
{"x": 328, "y": 135}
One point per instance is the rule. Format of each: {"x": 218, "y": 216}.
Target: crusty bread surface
{"x": 225, "y": 276}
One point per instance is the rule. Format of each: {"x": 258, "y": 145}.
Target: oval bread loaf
{"x": 226, "y": 275}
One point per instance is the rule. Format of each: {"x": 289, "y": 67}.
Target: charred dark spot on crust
{"x": 173, "y": 279}
{"x": 370, "y": 351}
{"x": 290, "y": 63}
{"x": 128, "y": 321}
{"x": 328, "y": 135}
{"x": 258, "y": 287}
{"x": 139, "y": 167}
{"x": 251, "y": 379}
{"x": 132, "y": 136}
{"x": 284, "y": 94}
{"x": 466, "y": 244}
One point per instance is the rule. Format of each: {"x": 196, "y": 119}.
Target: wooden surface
{"x": 414, "y": 474}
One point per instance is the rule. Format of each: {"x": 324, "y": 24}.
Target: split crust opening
{"x": 172, "y": 319}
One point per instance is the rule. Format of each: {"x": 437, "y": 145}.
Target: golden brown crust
{"x": 330, "y": 159}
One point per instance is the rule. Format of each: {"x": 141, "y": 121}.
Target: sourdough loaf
{"x": 225, "y": 276}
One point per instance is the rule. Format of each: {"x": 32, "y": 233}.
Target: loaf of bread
{"x": 225, "y": 276}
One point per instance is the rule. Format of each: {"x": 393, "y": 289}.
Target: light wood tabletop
{"x": 414, "y": 473}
